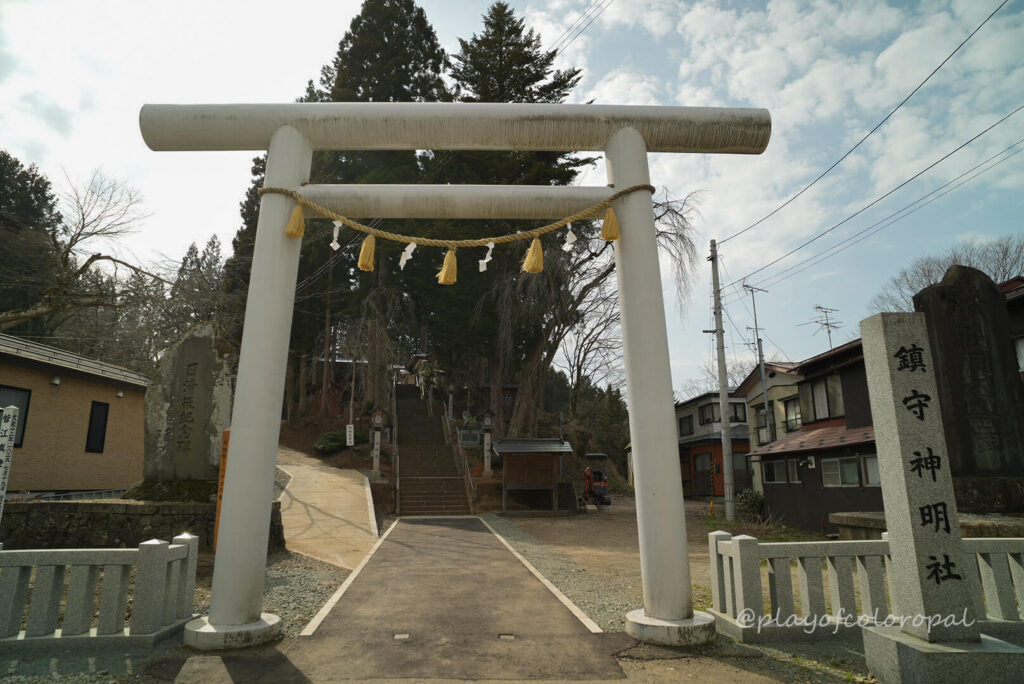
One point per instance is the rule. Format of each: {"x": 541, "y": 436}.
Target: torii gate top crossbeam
{"x": 455, "y": 126}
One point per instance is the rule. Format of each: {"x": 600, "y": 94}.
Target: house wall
{"x": 707, "y": 429}
{"x": 855, "y": 396}
{"x": 807, "y": 504}
{"x": 777, "y": 394}
{"x": 699, "y": 484}
{"x": 52, "y": 455}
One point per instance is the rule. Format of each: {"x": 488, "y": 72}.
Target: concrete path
{"x": 327, "y": 512}
{"x": 441, "y": 598}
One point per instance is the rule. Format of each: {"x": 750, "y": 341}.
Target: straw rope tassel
{"x": 296, "y": 227}
{"x": 449, "y": 269}
{"x": 534, "y": 261}
{"x": 366, "y": 253}
{"x": 610, "y": 229}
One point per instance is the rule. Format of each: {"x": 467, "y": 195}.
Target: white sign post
{"x": 350, "y": 435}
{"x": 8, "y": 430}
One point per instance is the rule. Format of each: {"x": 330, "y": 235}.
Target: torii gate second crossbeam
{"x": 290, "y": 133}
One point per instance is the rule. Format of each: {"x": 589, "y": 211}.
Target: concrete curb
{"x": 369, "y": 505}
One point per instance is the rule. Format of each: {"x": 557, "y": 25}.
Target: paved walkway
{"x": 326, "y": 512}
{"x": 440, "y": 598}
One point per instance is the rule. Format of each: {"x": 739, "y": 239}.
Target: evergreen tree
{"x": 506, "y": 63}
{"x": 28, "y": 217}
{"x": 389, "y": 54}
{"x": 503, "y": 63}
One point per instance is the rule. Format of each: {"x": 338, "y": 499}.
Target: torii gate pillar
{"x": 236, "y": 601}
{"x": 667, "y": 616}
{"x": 290, "y": 133}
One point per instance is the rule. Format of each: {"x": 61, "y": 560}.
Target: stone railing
{"x": 159, "y": 577}
{"x": 857, "y": 588}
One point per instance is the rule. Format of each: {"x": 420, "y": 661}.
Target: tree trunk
{"x": 303, "y": 383}
{"x": 497, "y": 394}
{"x": 525, "y": 408}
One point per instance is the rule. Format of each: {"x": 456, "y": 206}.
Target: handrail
{"x": 466, "y": 475}
{"x": 394, "y": 451}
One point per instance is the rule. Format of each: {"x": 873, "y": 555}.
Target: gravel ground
{"x": 604, "y": 603}
{"x": 281, "y": 480}
{"x": 607, "y": 602}
{"x": 295, "y": 588}
{"x": 384, "y": 521}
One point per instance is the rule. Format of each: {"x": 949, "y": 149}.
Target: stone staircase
{"x": 429, "y": 483}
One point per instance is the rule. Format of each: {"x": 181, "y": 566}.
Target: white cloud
{"x": 49, "y": 112}
{"x": 624, "y": 86}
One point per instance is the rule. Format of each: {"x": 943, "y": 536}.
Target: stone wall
{"x": 383, "y": 497}
{"x": 113, "y": 524}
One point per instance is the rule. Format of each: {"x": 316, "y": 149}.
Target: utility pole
{"x": 723, "y": 390}
{"x": 760, "y": 360}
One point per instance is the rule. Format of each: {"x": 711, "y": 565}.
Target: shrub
{"x": 750, "y": 504}
{"x": 333, "y": 442}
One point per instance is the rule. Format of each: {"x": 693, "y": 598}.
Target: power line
{"x": 879, "y": 199}
{"x": 595, "y": 10}
{"x": 895, "y": 217}
{"x": 777, "y": 346}
{"x": 869, "y": 133}
{"x": 740, "y": 299}
{"x": 576, "y": 23}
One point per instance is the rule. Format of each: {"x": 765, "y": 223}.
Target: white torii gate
{"x": 290, "y": 133}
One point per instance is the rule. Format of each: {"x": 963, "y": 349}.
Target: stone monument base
{"x": 894, "y": 656}
{"x": 698, "y": 629}
{"x": 203, "y": 636}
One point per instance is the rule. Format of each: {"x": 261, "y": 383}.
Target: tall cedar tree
{"x": 389, "y": 54}
{"x": 503, "y": 63}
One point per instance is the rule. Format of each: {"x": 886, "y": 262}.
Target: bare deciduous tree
{"x": 591, "y": 350}
{"x": 1001, "y": 259}
{"x": 554, "y": 301}
{"x": 97, "y": 211}
{"x": 736, "y": 371}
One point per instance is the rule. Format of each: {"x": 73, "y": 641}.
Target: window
{"x": 737, "y": 412}
{"x": 710, "y": 413}
{"x": 794, "y": 469}
{"x": 840, "y": 472}
{"x": 765, "y": 422}
{"x": 685, "y": 425}
{"x": 774, "y": 472}
{"x": 97, "y": 436}
{"x": 819, "y": 393}
{"x": 16, "y": 396}
{"x": 871, "y": 476}
{"x": 792, "y": 414}
{"x": 702, "y": 462}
